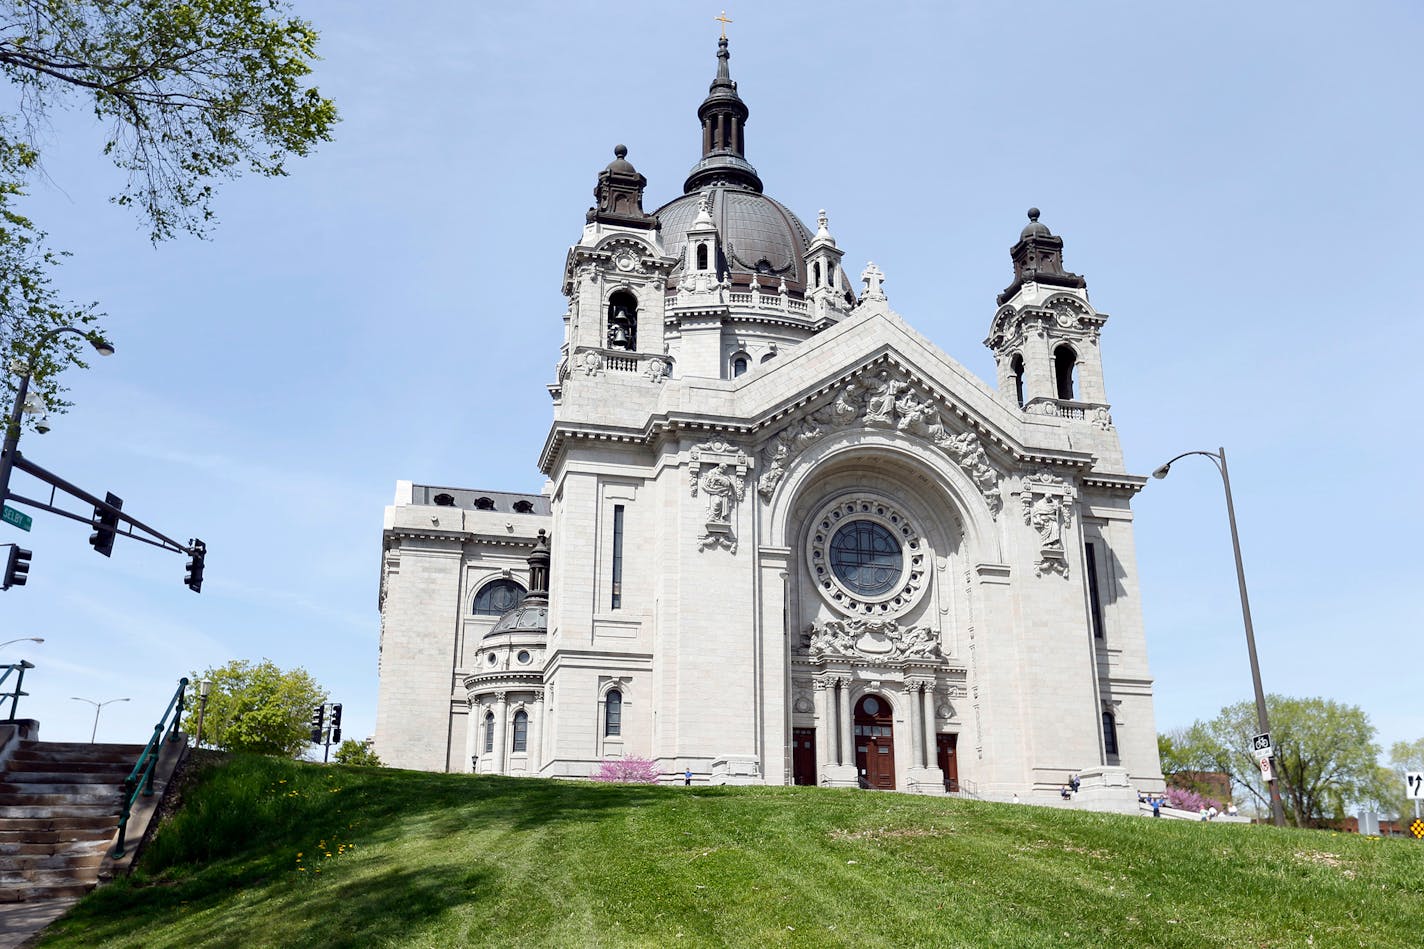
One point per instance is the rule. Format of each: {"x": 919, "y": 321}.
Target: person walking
{"x": 687, "y": 777}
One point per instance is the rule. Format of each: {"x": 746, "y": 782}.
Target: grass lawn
{"x": 278, "y": 853}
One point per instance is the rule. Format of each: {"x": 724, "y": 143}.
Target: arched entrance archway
{"x": 875, "y": 742}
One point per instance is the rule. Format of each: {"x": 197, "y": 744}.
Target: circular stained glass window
{"x": 523, "y": 656}
{"x": 866, "y": 557}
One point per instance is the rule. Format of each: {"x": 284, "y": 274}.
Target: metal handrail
{"x": 14, "y": 696}
{"x": 140, "y": 779}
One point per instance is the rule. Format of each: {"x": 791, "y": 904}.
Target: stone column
{"x": 843, "y": 726}
{"x": 927, "y": 704}
{"x": 472, "y": 734}
{"x": 917, "y": 728}
{"x": 824, "y": 727}
{"x": 501, "y": 724}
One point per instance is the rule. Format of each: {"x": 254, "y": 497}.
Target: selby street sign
{"x": 12, "y": 516}
{"x": 1414, "y": 785}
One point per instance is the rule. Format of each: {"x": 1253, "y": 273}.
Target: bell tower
{"x": 1045, "y": 333}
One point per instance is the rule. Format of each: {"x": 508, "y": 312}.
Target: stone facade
{"x": 791, "y": 540}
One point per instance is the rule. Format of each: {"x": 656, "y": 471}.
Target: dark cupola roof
{"x": 1038, "y": 258}
{"x": 530, "y": 614}
{"x": 619, "y": 193}
{"x": 724, "y": 120}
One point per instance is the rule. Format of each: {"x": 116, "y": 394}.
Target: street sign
{"x": 1266, "y": 772}
{"x": 1414, "y": 785}
{"x": 1261, "y": 745}
{"x": 12, "y": 516}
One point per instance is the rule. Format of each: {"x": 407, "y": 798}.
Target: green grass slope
{"x": 276, "y": 853}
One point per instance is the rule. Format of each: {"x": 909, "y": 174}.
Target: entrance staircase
{"x": 59, "y": 809}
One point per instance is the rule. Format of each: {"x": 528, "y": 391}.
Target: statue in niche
{"x": 1044, "y": 516}
{"x": 719, "y": 486}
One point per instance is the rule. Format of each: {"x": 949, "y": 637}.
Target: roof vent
{"x": 444, "y": 500}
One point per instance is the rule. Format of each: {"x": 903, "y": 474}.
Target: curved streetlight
{"x": 12, "y": 431}
{"x": 98, "y": 707}
{"x": 22, "y": 639}
{"x": 1218, "y": 458}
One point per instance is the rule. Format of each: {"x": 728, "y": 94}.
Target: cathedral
{"x": 784, "y": 539}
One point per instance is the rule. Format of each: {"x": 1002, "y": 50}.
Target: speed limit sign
{"x": 1266, "y": 772}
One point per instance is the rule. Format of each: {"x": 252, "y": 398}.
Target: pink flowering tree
{"x": 1190, "y": 800}
{"x": 632, "y": 770}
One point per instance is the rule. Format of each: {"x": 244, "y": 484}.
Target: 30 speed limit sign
{"x": 1414, "y": 785}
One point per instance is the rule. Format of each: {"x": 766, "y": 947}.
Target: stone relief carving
{"x": 803, "y": 704}
{"x": 1048, "y": 508}
{"x": 884, "y": 400}
{"x": 885, "y": 640}
{"x": 718, "y": 471}
{"x": 589, "y": 361}
{"x": 657, "y": 368}
{"x": 1101, "y": 417}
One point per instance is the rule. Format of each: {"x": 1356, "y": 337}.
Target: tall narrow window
{"x": 739, "y": 364}
{"x": 489, "y": 733}
{"x": 617, "y": 557}
{"x": 1017, "y": 367}
{"x": 1110, "y": 734}
{"x": 816, "y": 274}
{"x": 521, "y": 731}
{"x": 1095, "y": 602}
{"x": 701, "y": 256}
{"x": 613, "y": 713}
{"x": 1064, "y": 362}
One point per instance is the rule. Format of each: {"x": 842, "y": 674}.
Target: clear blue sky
{"x": 1238, "y": 183}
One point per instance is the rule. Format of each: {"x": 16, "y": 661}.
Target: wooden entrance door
{"x": 803, "y": 755}
{"x": 945, "y": 746}
{"x": 875, "y": 742}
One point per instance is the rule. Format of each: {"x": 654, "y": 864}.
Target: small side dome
{"x": 1034, "y": 229}
{"x": 527, "y": 617}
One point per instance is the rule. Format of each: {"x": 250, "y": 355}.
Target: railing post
{"x": 130, "y": 783}
{"x": 155, "y": 743}
{"x": 178, "y": 715}
{"x": 19, "y": 685}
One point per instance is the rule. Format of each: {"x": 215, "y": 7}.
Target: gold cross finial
{"x": 724, "y": 21}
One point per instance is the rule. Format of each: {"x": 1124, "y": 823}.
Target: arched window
{"x": 484, "y": 504}
{"x": 769, "y": 356}
{"x": 623, "y": 321}
{"x": 1110, "y": 734}
{"x": 1017, "y": 368}
{"x": 1064, "y": 362}
{"x": 613, "y": 713}
{"x": 521, "y": 731}
{"x": 489, "y": 733}
{"x": 496, "y": 597}
{"x": 701, "y": 256}
{"x": 444, "y": 500}
{"x": 816, "y": 274}
{"x": 740, "y": 363}
{"x": 523, "y": 507}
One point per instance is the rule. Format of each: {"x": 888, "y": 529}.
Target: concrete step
{"x": 20, "y": 780}
{"x": 58, "y": 810}
{"x": 100, "y": 794}
{"x": 48, "y": 876}
{"x": 29, "y": 892}
{"x": 28, "y": 751}
{"x": 14, "y": 828}
{"x": 121, "y": 768}
{"x": 30, "y": 862}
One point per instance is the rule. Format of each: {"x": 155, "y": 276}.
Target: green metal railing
{"x": 140, "y": 779}
{"x": 18, "y": 670}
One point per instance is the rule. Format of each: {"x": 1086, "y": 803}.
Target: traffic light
{"x": 106, "y": 522}
{"x": 194, "y": 576}
{"x": 17, "y": 568}
{"x": 317, "y": 719}
{"x": 336, "y": 724}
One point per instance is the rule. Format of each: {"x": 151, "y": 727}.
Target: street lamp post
{"x": 98, "y": 707}
{"x": 1218, "y": 458}
{"x": 22, "y": 639}
{"x": 205, "y": 686}
{"x": 12, "y": 430}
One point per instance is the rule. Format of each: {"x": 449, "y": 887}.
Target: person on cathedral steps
{"x": 1074, "y": 783}
{"x": 1066, "y": 794}
{"x": 687, "y": 777}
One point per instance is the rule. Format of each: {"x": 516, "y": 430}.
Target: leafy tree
{"x": 1326, "y": 756}
{"x": 356, "y": 752}
{"x": 191, "y": 91}
{"x": 257, "y": 708}
{"x": 1404, "y": 756}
